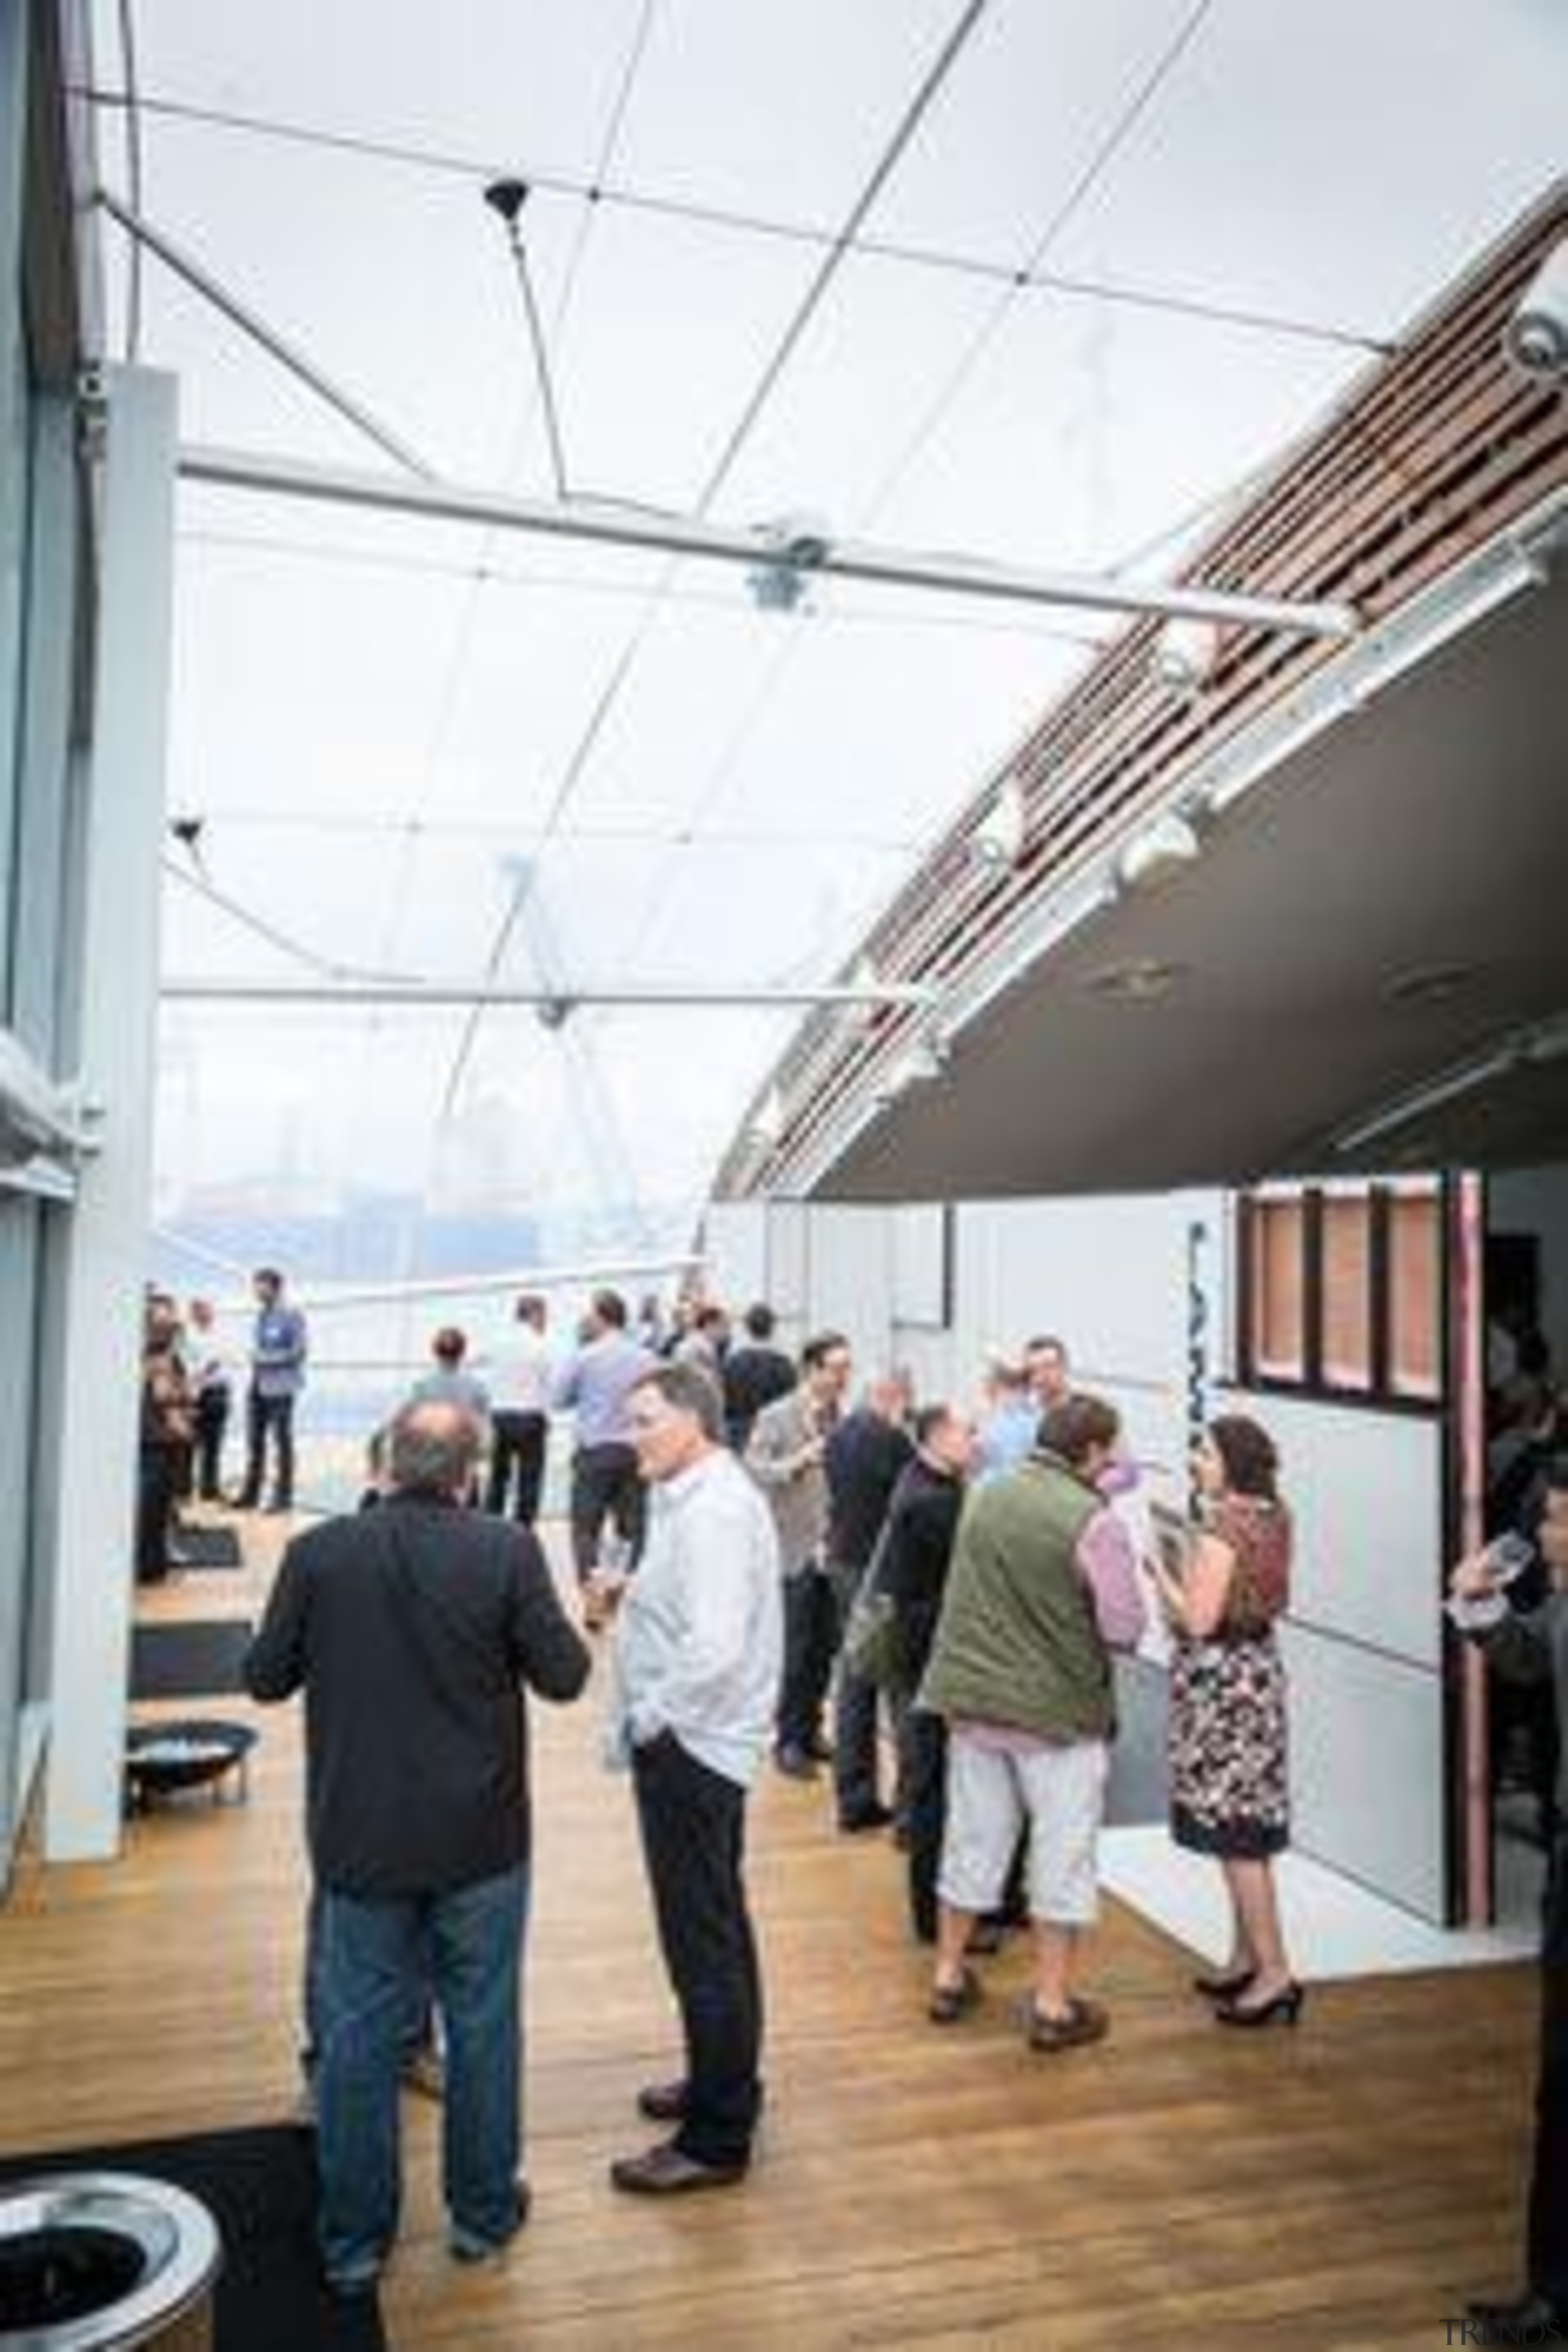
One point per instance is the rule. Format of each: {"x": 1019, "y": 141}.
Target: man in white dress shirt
{"x": 697, "y": 1670}
{"x": 520, "y": 1377}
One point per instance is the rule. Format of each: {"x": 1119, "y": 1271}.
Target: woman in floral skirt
{"x": 1229, "y": 1790}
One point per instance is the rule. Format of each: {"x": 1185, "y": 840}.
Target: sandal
{"x": 948, "y": 2003}
{"x": 1085, "y": 2021}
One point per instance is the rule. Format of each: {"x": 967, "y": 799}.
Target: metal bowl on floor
{"x": 185, "y": 1752}
{"x": 106, "y": 2262}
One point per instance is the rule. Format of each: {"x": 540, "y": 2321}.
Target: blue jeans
{"x": 373, "y": 1959}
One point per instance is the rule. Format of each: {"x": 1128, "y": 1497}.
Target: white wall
{"x": 1110, "y": 1277}
{"x": 1134, "y": 1285}
{"x": 1364, "y": 1648}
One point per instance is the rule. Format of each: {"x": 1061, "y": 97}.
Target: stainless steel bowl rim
{"x": 176, "y": 2232}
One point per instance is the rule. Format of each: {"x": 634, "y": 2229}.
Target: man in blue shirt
{"x": 597, "y": 1384}
{"x": 278, "y": 1350}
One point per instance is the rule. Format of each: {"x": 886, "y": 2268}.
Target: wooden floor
{"x": 1344, "y": 2185}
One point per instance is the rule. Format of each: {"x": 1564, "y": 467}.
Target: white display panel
{"x": 1366, "y": 1768}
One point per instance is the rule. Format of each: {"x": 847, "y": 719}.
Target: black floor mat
{"x": 204, "y": 1546}
{"x": 260, "y": 2187}
{"x": 198, "y": 1659}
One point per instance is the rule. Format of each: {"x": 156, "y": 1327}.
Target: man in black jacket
{"x": 866, "y": 1454}
{"x": 1531, "y": 1645}
{"x": 917, "y": 1552}
{"x": 754, "y": 1374}
{"x": 412, "y": 1630}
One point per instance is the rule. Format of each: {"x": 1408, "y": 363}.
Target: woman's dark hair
{"x": 1250, "y": 1454}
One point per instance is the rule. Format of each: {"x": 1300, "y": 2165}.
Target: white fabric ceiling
{"x": 389, "y": 729}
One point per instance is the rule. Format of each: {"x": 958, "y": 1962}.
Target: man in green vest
{"x": 1044, "y": 1588}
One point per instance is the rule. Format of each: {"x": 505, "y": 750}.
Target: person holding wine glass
{"x": 1530, "y": 1645}
{"x": 1229, "y": 1782}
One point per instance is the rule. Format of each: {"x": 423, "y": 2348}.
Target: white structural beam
{"x": 764, "y": 551}
{"x": 438, "y": 995}
{"x": 107, "y": 1243}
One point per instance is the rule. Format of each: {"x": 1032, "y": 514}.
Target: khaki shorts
{"x": 1059, "y": 1792}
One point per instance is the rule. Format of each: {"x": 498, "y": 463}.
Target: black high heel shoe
{"x": 1224, "y": 1988}
{"x": 1285, "y": 2009}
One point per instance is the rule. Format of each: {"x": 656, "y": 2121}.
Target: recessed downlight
{"x": 1142, "y": 980}
{"x": 1429, "y": 983}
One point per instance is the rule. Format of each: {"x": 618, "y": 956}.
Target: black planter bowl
{"x": 162, "y": 1760}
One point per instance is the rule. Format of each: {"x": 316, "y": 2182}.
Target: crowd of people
{"x": 922, "y": 1602}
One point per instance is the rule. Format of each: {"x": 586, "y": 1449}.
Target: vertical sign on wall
{"x": 1200, "y": 1324}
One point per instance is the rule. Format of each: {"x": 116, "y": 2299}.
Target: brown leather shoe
{"x": 663, "y": 2103}
{"x": 666, "y": 2171}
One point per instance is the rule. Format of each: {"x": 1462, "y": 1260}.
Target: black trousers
{"x": 518, "y": 1446}
{"x": 212, "y": 1420}
{"x": 923, "y": 1755}
{"x": 693, "y": 1833}
{"x": 605, "y": 1487}
{"x": 1548, "y": 2246}
{"x": 264, "y": 1414}
{"x": 811, "y": 1642}
{"x": 157, "y": 1479}
{"x": 856, "y": 1755}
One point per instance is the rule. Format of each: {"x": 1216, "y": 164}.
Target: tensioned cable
{"x": 843, "y": 244}
{"x": 833, "y": 261}
{"x": 608, "y": 146}
{"x": 479, "y": 571}
{"x": 985, "y": 335}
{"x": 132, "y": 179}
{"x": 324, "y": 967}
{"x": 458, "y": 829}
{"x": 696, "y": 214}
{"x": 1111, "y": 145}
{"x": 841, "y": 250}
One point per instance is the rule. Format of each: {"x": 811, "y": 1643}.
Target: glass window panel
{"x": 529, "y": 85}
{"x": 1278, "y": 1293}
{"x": 1262, "y": 174}
{"x": 1416, "y": 1295}
{"x": 1085, "y": 429}
{"x": 1347, "y": 1292}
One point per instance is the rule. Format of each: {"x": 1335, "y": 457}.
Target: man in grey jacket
{"x": 787, "y": 1454}
{"x": 1532, "y": 1646}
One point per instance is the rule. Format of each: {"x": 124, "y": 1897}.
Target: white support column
{"x": 108, "y": 1229}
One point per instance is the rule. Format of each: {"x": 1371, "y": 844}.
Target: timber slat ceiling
{"x": 1431, "y": 459}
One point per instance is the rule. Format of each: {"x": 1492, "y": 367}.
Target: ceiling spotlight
{"x": 1167, "y": 846}
{"x": 767, "y": 1121}
{"x": 507, "y": 197}
{"x": 553, "y": 1012}
{"x": 1185, "y": 651}
{"x": 998, "y": 840}
{"x": 1429, "y": 983}
{"x": 925, "y": 1062}
{"x": 1535, "y": 339}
